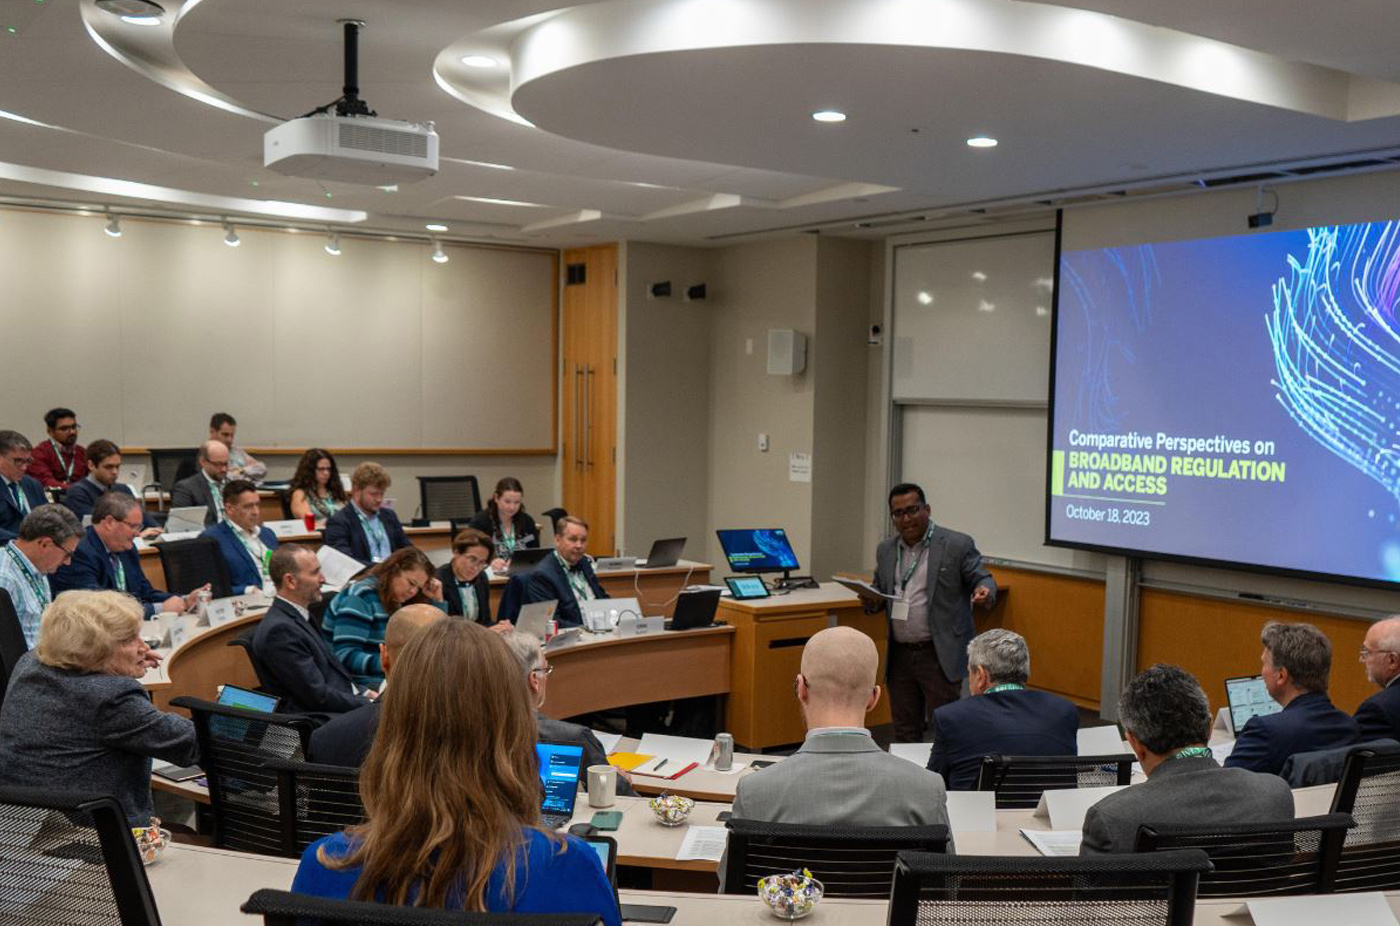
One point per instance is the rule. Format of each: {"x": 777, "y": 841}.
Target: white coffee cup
{"x": 602, "y": 785}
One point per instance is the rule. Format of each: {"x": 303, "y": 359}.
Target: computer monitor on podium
{"x": 761, "y": 550}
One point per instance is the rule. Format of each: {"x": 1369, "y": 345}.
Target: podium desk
{"x": 769, "y": 634}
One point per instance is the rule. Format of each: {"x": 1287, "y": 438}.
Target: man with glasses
{"x": 107, "y": 559}
{"x": 205, "y": 487}
{"x": 19, "y": 493}
{"x": 59, "y": 461}
{"x": 935, "y": 576}
{"x": 47, "y": 538}
{"x": 1379, "y": 715}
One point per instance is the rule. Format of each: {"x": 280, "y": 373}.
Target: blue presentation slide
{"x": 757, "y": 550}
{"x": 1233, "y": 399}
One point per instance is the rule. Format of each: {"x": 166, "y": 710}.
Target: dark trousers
{"x": 917, "y": 685}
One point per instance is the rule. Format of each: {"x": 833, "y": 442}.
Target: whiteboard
{"x": 971, "y": 319}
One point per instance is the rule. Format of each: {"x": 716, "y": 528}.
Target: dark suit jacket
{"x": 345, "y": 739}
{"x": 194, "y": 490}
{"x": 299, "y": 665}
{"x": 82, "y": 497}
{"x": 548, "y": 583}
{"x": 91, "y": 568}
{"x": 482, "y": 586}
{"x": 10, "y": 515}
{"x": 242, "y": 571}
{"x": 525, "y": 533}
{"x": 1378, "y": 716}
{"x": 954, "y": 569}
{"x": 1011, "y": 723}
{"x": 345, "y": 533}
{"x": 561, "y": 731}
{"x": 1185, "y": 792}
{"x": 1308, "y": 723}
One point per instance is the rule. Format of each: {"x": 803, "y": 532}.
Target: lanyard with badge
{"x": 21, "y": 500}
{"x": 37, "y": 586}
{"x": 899, "y": 608}
{"x": 121, "y": 571}
{"x": 67, "y": 467}
{"x": 262, "y": 559}
{"x": 577, "y": 580}
{"x": 215, "y": 493}
{"x": 467, "y": 592}
{"x": 376, "y": 534}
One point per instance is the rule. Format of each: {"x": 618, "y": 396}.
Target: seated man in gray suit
{"x": 1167, "y": 720}
{"x": 840, "y": 776}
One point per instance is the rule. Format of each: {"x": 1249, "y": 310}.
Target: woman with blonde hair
{"x": 75, "y": 714}
{"x": 451, "y": 790}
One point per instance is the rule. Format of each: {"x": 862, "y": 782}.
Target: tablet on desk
{"x": 744, "y": 588}
{"x": 233, "y": 696}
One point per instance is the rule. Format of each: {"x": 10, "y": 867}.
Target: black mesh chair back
{"x": 170, "y": 465}
{"x": 1259, "y": 859}
{"x": 244, "y": 641}
{"x": 234, "y": 746}
{"x": 281, "y": 908}
{"x": 1370, "y": 791}
{"x": 849, "y": 861}
{"x": 317, "y": 800}
{"x": 188, "y": 564}
{"x": 448, "y": 498}
{"x": 69, "y": 860}
{"x": 1019, "y": 780}
{"x": 12, "y": 642}
{"x": 1106, "y": 890}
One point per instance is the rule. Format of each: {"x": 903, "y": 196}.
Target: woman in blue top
{"x": 451, "y": 791}
{"x": 355, "y": 621}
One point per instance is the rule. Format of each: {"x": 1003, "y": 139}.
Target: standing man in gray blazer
{"x": 1167, "y": 719}
{"x": 937, "y": 576}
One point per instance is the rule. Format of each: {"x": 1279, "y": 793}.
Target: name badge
{"x": 220, "y": 611}
{"x": 179, "y": 633}
{"x": 899, "y": 610}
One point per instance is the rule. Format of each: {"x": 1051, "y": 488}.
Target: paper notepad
{"x": 336, "y": 568}
{"x": 1054, "y": 842}
{"x": 703, "y": 843}
{"x": 1066, "y": 809}
{"x": 682, "y": 749}
{"x": 662, "y": 767}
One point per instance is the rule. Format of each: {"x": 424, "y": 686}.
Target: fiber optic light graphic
{"x": 1336, "y": 350}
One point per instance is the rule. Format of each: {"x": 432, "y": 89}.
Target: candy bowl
{"x": 671, "y": 809}
{"x": 151, "y": 841}
{"x": 790, "y": 896}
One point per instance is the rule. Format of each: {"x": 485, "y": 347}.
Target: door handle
{"x": 588, "y": 425}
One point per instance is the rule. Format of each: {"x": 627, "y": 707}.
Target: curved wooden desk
{"x": 202, "y": 663}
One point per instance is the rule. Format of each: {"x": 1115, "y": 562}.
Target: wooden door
{"x": 590, "y": 391}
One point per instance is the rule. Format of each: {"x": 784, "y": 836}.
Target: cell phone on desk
{"x": 187, "y": 773}
{"x": 646, "y": 913}
{"x": 605, "y": 821}
{"x": 761, "y": 763}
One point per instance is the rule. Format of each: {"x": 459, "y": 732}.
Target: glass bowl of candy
{"x": 150, "y": 841}
{"x": 790, "y": 896}
{"x": 671, "y": 809}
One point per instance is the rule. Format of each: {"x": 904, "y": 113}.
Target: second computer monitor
{"x": 758, "y": 550}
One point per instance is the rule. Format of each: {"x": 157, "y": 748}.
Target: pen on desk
{"x": 658, "y": 765}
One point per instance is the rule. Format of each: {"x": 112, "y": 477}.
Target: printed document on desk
{"x": 703, "y": 843}
{"x": 1054, "y": 842}
{"x": 336, "y": 568}
{"x": 683, "y": 749}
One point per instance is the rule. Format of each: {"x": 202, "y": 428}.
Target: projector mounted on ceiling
{"x": 352, "y": 145}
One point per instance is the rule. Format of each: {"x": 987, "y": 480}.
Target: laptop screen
{"x": 233, "y": 696}
{"x": 1248, "y": 698}
{"x": 560, "y": 767}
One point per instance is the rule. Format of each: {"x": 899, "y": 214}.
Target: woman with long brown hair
{"x": 451, "y": 791}
{"x": 354, "y": 622}
{"x": 505, "y": 521}
{"x": 315, "y": 486}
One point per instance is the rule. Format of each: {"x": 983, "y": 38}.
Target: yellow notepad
{"x": 627, "y": 760}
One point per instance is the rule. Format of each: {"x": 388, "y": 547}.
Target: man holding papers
{"x": 1167, "y": 720}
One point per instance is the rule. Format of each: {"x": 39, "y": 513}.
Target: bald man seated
{"x": 346, "y": 739}
{"x": 1378, "y": 717}
{"x": 840, "y": 776}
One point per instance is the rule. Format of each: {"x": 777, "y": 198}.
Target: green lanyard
{"x": 121, "y": 571}
{"x": 21, "y": 500}
{"x": 1193, "y": 752}
{"x": 899, "y": 558}
{"x": 67, "y": 467}
{"x": 1007, "y": 686}
{"x": 467, "y": 593}
{"x": 376, "y": 527}
{"x": 508, "y": 543}
{"x": 577, "y": 580}
{"x": 263, "y": 560}
{"x": 40, "y": 589}
{"x": 216, "y": 494}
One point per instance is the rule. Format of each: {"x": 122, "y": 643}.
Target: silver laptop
{"x": 663, "y": 553}
{"x": 186, "y": 520}
{"x": 1248, "y": 697}
{"x": 533, "y": 618}
{"x": 601, "y": 615}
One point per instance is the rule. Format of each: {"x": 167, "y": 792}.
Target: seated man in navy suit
{"x": 246, "y": 545}
{"x": 1002, "y": 717}
{"x": 19, "y": 493}
{"x": 565, "y": 575}
{"x": 1297, "y": 660}
{"x": 104, "y": 465}
{"x": 107, "y": 559}
{"x": 292, "y": 659}
{"x": 1378, "y": 717}
{"x": 364, "y": 530}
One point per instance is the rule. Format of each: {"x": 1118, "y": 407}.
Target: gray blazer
{"x": 954, "y": 570}
{"x": 194, "y": 490}
{"x": 88, "y": 732}
{"x": 1185, "y": 792}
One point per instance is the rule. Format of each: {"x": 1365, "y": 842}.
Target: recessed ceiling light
{"x": 499, "y": 202}
{"x": 981, "y": 141}
{"x": 479, "y": 61}
{"x": 925, "y": 298}
{"x": 435, "y": 226}
{"x": 829, "y": 115}
{"x": 142, "y": 20}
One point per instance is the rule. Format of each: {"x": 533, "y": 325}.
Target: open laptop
{"x": 534, "y": 616}
{"x": 561, "y": 764}
{"x": 695, "y": 609}
{"x": 663, "y": 553}
{"x": 1248, "y": 698}
{"x": 602, "y": 614}
{"x": 525, "y": 559}
{"x": 186, "y": 520}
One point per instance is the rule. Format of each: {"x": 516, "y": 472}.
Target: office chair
{"x": 188, "y": 564}
{"x": 245, "y": 642}
{"x": 1259, "y": 859}
{"x": 448, "y": 498}
{"x": 1019, "y": 780}
{"x": 554, "y": 514}
{"x": 283, "y": 908}
{"x": 317, "y": 800}
{"x": 1132, "y": 889}
{"x": 170, "y": 465}
{"x": 1370, "y": 792}
{"x": 234, "y": 747}
{"x": 69, "y": 858}
{"x": 12, "y": 642}
{"x": 849, "y": 861}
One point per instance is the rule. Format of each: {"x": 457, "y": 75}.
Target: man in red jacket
{"x": 59, "y": 461}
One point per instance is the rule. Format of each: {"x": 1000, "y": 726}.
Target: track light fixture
{"x": 333, "y": 245}
{"x": 438, "y": 255}
{"x": 230, "y": 236}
